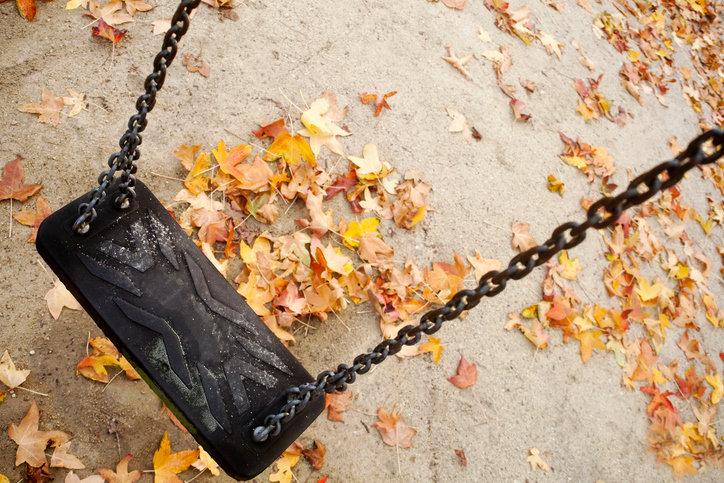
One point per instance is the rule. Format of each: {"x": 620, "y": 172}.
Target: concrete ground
{"x": 587, "y": 426}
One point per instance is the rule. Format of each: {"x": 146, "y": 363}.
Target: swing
{"x": 196, "y": 342}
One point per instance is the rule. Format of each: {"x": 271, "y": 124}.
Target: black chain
{"x": 601, "y": 214}
{"x": 125, "y": 160}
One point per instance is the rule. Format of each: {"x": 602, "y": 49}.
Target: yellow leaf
{"x": 647, "y": 291}
{"x": 312, "y": 118}
{"x": 356, "y": 231}
{"x": 418, "y": 216}
{"x": 658, "y": 375}
{"x": 718, "y": 386}
{"x": 284, "y": 468}
{"x": 682, "y": 466}
{"x": 293, "y": 149}
{"x": 589, "y": 340}
{"x": 575, "y": 161}
{"x": 370, "y": 163}
{"x": 572, "y": 267}
{"x": 556, "y": 186}
{"x": 433, "y": 346}
{"x": 167, "y": 465}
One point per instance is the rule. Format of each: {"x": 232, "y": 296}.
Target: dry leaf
{"x": 49, "y": 109}
{"x": 9, "y": 375}
{"x": 167, "y": 465}
{"x": 31, "y": 442}
{"x": 59, "y": 297}
{"x": 521, "y": 238}
{"x": 206, "y": 462}
{"x": 457, "y": 63}
{"x": 467, "y": 374}
{"x": 121, "y": 475}
{"x": 536, "y": 461}
{"x": 393, "y": 430}
{"x": 458, "y": 124}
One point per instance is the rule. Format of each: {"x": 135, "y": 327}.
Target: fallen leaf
{"x": 121, "y": 475}
{"x": 549, "y": 42}
{"x": 285, "y": 463}
{"x": 337, "y": 403}
{"x": 433, "y": 346}
{"x": 379, "y": 99}
{"x": 161, "y": 26}
{"x": 517, "y": 106}
{"x": 193, "y": 63}
{"x": 556, "y": 186}
{"x": 77, "y": 101}
{"x": 73, "y": 478}
{"x": 9, "y": 375}
{"x": 206, "y": 462}
{"x": 463, "y": 460}
{"x": 110, "y": 14}
{"x": 133, "y": 6}
{"x": 370, "y": 162}
{"x": 587, "y": 63}
{"x": 63, "y": 459}
{"x": 521, "y": 238}
{"x": 528, "y": 85}
{"x": 26, "y": 8}
{"x": 589, "y": 340}
{"x": 536, "y": 461}
{"x": 38, "y": 475}
{"x": 293, "y": 149}
{"x": 59, "y": 297}
{"x": 457, "y": 4}
{"x": 167, "y": 465}
{"x": 270, "y": 129}
{"x": 484, "y": 35}
{"x": 466, "y": 376}
{"x": 31, "y": 442}
{"x": 718, "y": 388}
{"x": 49, "y": 109}
{"x": 458, "y": 124}
{"x": 107, "y": 32}
{"x": 165, "y": 410}
{"x": 393, "y": 430}
{"x": 457, "y": 63}
{"x": 483, "y": 265}
{"x": 315, "y": 456}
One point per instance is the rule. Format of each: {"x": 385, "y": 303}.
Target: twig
{"x": 397, "y": 448}
{"x": 479, "y": 404}
{"x": 112, "y": 379}
{"x": 200, "y": 473}
{"x": 234, "y": 134}
{"x": 46, "y": 271}
{"x": 290, "y": 101}
{"x": 10, "y": 235}
{"x": 349, "y": 329}
{"x": 498, "y": 227}
{"x": 30, "y": 390}
{"x": 167, "y": 177}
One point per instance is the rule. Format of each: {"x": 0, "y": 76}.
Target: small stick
{"x": 498, "y": 227}
{"x": 290, "y": 101}
{"x": 112, "y": 379}
{"x": 30, "y": 390}
{"x": 167, "y": 177}
{"x": 397, "y": 447}
{"x": 479, "y": 404}
{"x": 10, "y": 235}
{"x": 46, "y": 271}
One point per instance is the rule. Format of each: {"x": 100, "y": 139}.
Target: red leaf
{"x": 12, "y": 184}
{"x": 270, "y": 129}
{"x": 467, "y": 374}
{"x": 107, "y": 32}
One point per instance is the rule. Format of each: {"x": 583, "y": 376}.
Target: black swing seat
{"x": 191, "y": 337}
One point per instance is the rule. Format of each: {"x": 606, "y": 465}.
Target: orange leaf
{"x": 121, "y": 475}
{"x": 521, "y": 238}
{"x": 315, "y": 456}
{"x": 31, "y": 442}
{"x": 467, "y": 374}
{"x": 393, "y": 430}
{"x": 167, "y": 465}
{"x": 293, "y": 149}
{"x": 379, "y": 99}
{"x": 107, "y": 32}
{"x": 28, "y": 218}
{"x": 337, "y": 403}
{"x": 27, "y": 8}
{"x": 12, "y": 184}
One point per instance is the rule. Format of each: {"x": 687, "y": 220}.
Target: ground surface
{"x": 585, "y": 423}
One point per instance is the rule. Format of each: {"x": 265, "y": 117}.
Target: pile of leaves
{"x": 646, "y": 303}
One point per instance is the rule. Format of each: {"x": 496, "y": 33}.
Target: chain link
{"x": 602, "y": 214}
{"x": 125, "y": 160}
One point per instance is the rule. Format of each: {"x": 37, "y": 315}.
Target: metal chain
{"x": 125, "y": 160}
{"x": 601, "y": 214}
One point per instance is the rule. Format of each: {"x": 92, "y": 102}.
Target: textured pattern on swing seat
{"x": 194, "y": 340}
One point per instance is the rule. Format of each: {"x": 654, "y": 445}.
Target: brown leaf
{"x": 467, "y": 374}
{"x": 393, "y": 430}
{"x": 517, "y": 106}
{"x": 337, "y": 403}
{"x": 38, "y": 475}
{"x": 521, "y": 238}
{"x": 31, "y": 442}
{"x": 63, "y": 459}
{"x": 193, "y": 63}
{"x": 49, "y": 109}
{"x": 528, "y": 85}
{"x": 28, "y": 218}
{"x": 12, "y": 184}
{"x": 59, "y": 297}
{"x": 173, "y": 418}
{"x": 461, "y": 455}
{"x": 315, "y": 456}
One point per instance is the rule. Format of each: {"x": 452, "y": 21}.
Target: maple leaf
{"x": 161, "y": 26}
{"x": 718, "y": 386}
{"x": 357, "y": 230}
{"x": 270, "y": 129}
{"x": 370, "y": 163}
{"x": 206, "y": 462}
{"x": 12, "y": 184}
{"x": 59, "y": 297}
{"x": 31, "y": 442}
{"x": 682, "y": 466}
{"x": 337, "y": 403}
{"x": 293, "y": 149}
{"x": 193, "y": 63}
{"x": 77, "y": 101}
{"x": 379, "y": 99}
{"x": 571, "y": 267}
{"x": 456, "y": 4}
{"x": 63, "y": 459}
{"x": 433, "y": 346}
{"x": 549, "y": 42}
{"x": 315, "y": 456}
{"x": 517, "y": 106}
{"x": 528, "y": 85}
{"x": 457, "y": 63}
{"x": 483, "y": 265}
{"x": 555, "y": 185}
{"x": 121, "y": 475}
{"x": 521, "y": 238}
{"x": 373, "y": 249}
{"x": 110, "y": 13}
{"x": 26, "y": 8}
{"x": 49, "y": 109}
{"x": 133, "y": 6}
{"x": 9, "y": 375}
{"x": 466, "y": 376}
{"x": 73, "y": 478}
{"x": 647, "y": 291}
{"x": 393, "y": 430}
{"x": 285, "y": 463}
{"x": 536, "y": 461}
{"x": 589, "y": 340}
{"x": 107, "y": 32}
{"x": 167, "y": 465}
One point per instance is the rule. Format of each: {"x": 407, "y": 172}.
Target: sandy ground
{"x": 585, "y": 423}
